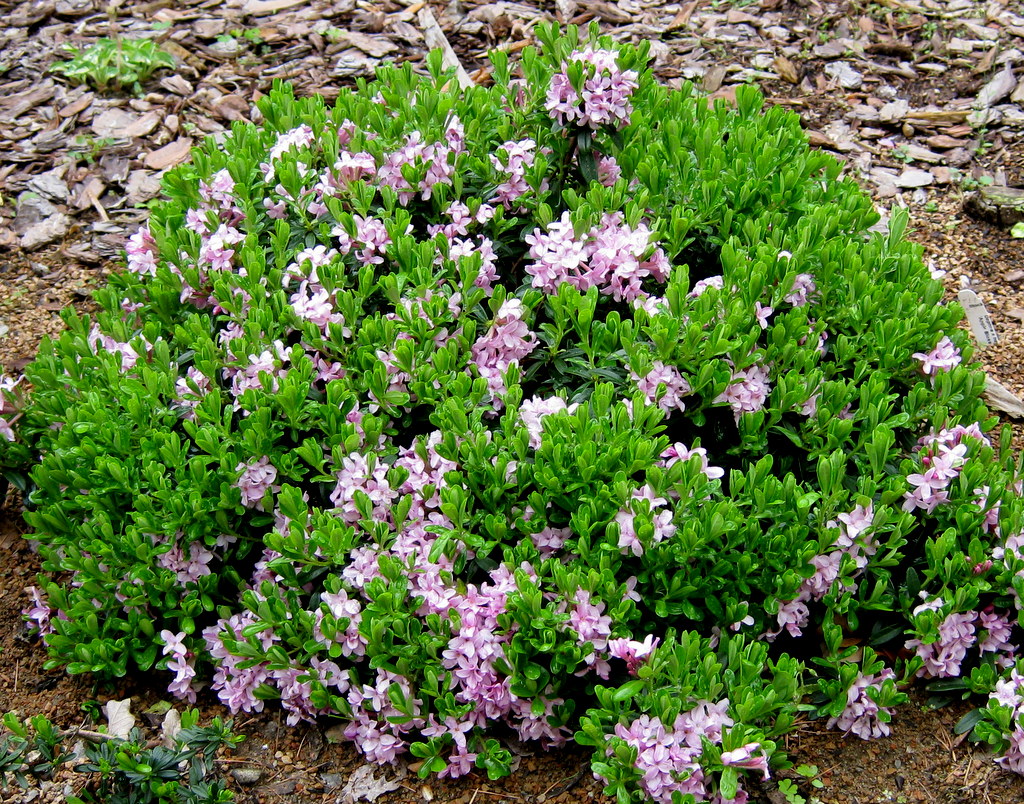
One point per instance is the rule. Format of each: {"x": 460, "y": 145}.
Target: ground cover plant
{"x": 569, "y": 408}
{"x": 120, "y": 768}
{"x": 114, "y": 63}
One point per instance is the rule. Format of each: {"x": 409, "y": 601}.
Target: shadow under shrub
{"x": 574, "y": 405}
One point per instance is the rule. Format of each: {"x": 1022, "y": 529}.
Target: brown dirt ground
{"x": 921, "y": 762}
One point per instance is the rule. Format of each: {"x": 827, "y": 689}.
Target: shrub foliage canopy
{"x": 570, "y": 406}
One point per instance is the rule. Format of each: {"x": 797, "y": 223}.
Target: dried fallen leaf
{"x": 682, "y": 18}
{"x": 177, "y": 85}
{"x": 944, "y": 142}
{"x": 231, "y": 107}
{"x": 170, "y": 727}
{"x": 713, "y": 78}
{"x": 995, "y": 90}
{"x": 170, "y": 155}
{"x": 112, "y": 123}
{"x": 362, "y": 785}
{"x": 435, "y": 38}
{"x": 258, "y": 8}
{"x": 786, "y": 69}
{"x": 376, "y": 46}
{"x": 985, "y": 63}
{"x": 941, "y": 117}
{"x": 566, "y": 9}
{"x": 89, "y": 192}
{"x": 143, "y": 125}
{"x": 120, "y": 720}
{"x": 1003, "y": 399}
{"x": 913, "y": 177}
{"x": 76, "y": 106}
{"x": 141, "y": 187}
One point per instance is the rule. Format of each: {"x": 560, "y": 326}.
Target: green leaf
{"x": 729, "y": 783}
{"x": 969, "y": 721}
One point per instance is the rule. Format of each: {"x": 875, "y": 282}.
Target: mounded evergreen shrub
{"x": 573, "y": 407}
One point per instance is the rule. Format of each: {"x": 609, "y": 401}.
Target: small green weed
{"x": 120, "y": 771}
{"x": 90, "y": 148}
{"x": 114, "y": 64}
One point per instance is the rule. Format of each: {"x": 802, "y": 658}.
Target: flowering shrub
{"x": 574, "y": 404}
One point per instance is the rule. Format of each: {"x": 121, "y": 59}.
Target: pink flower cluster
{"x": 255, "y": 479}
{"x": 506, "y": 342}
{"x": 1009, "y": 692}
{"x": 188, "y": 562}
{"x": 190, "y": 391}
{"x": 299, "y": 137}
{"x": 747, "y": 391}
{"x": 181, "y": 664}
{"x": 633, "y": 653}
{"x": 675, "y": 386}
{"x": 803, "y": 289}
{"x": 861, "y": 715}
{"x": 236, "y": 685}
{"x": 9, "y": 405}
{"x": 604, "y": 97}
{"x": 126, "y": 352}
{"x": 534, "y": 411}
{"x": 856, "y": 540}
{"x": 215, "y": 220}
{"x": 513, "y": 159}
{"x": 365, "y": 476}
{"x": 942, "y": 458}
{"x": 267, "y": 364}
{"x": 370, "y": 244}
{"x": 943, "y": 357}
{"x": 141, "y": 251}
{"x": 611, "y": 256}
{"x": 661, "y": 523}
{"x": 437, "y": 158}
{"x": 668, "y": 757}
{"x": 957, "y": 633}
{"x": 680, "y": 452}
{"x": 39, "y": 613}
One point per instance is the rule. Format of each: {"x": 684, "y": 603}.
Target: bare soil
{"x": 921, "y": 70}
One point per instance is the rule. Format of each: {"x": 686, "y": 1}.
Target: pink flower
{"x": 942, "y": 657}
{"x": 612, "y": 256}
{"x": 316, "y": 306}
{"x": 355, "y": 475}
{"x": 680, "y": 452}
{"x": 803, "y": 289}
{"x": 533, "y": 411}
{"x": 255, "y": 479}
{"x": 633, "y": 653}
{"x": 861, "y": 715}
{"x": 608, "y": 171}
{"x": 508, "y": 341}
{"x": 676, "y": 387}
{"x": 748, "y": 390}
{"x": 661, "y": 520}
{"x": 180, "y": 664}
{"x": 998, "y": 630}
{"x": 39, "y": 613}
{"x": 746, "y": 757}
{"x": 141, "y": 251}
{"x": 703, "y": 285}
{"x": 513, "y": 159}
{"x": 944, "y": 356}
{"x": 550, "y": 540}
{"x": 793, "y": 615}
{"x": 604, "y": 99}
